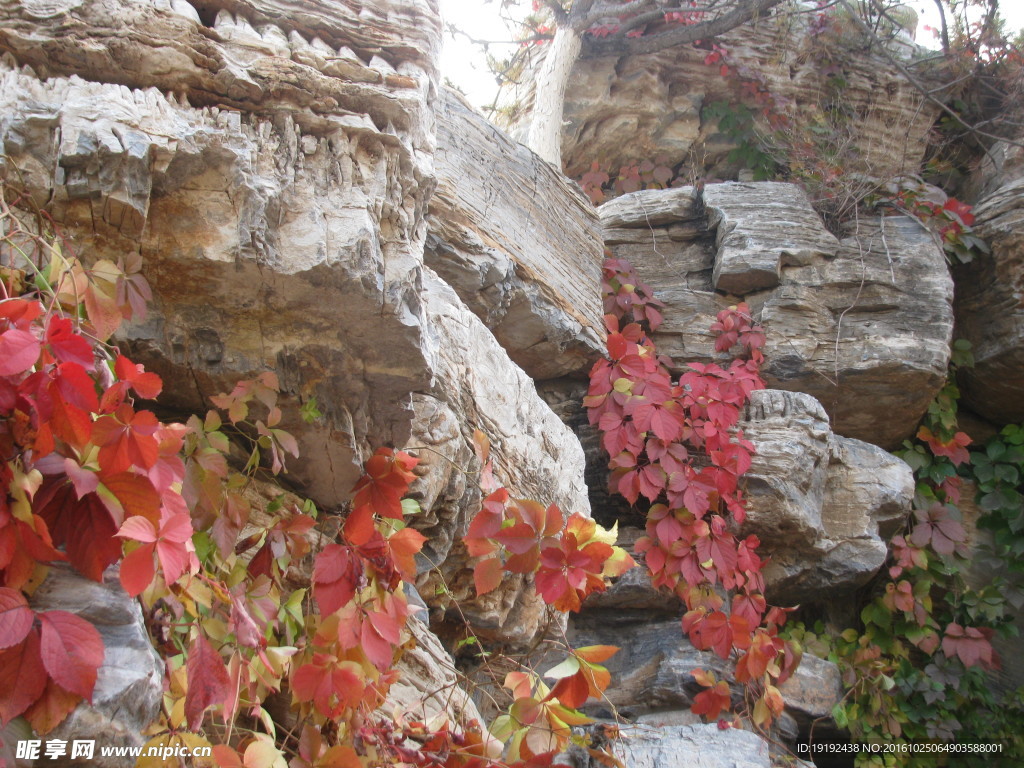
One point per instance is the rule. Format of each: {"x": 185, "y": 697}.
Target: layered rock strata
{"x": 862, "y": 323}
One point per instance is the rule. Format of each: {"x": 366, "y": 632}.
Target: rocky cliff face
{"x": 305, "y": 198}
{"x": 622, "y": 109}
{"x": 862, "y": 323}
{"x": 990, "y": 293}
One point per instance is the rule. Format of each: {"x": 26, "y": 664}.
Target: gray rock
{"x": 254, "y": 217}
{"x": 865, "y": 329}
{"x": 653, "y": 671}
{"x": 824, "y": 506}
{"x": 535, "y": 456}
{"x": 697, "y": 746}
{"x": 989, "y": 301}
{"x": 519, "y": 243}
{"x": 129, "y": 684}
{"x": 761, "y": 228}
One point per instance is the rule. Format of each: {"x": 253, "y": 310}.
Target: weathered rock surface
{"x": 429, "y": 684}
{"x": 824, "y": 506}
{"x": 701, "y": 745}
{"x": 623, "y": 109}
{"x": 272, "y": 163}
{"x": 519, "y": 243}
{"x": 652, "y": 674}
{"x": 864, "y": 328}
{"x": 990, "y": 304}
{"x": 535, "y": 455}
{"x": 251, "y": 213}
{"x": 129, "y": 684}
{"x": 752, "y": 243}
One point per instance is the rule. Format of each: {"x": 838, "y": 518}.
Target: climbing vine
{"x": 676, "y": 444}
{"x": 917, "y": 669}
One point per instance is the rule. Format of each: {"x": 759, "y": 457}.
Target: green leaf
{"x": 570, "y": 666}
{"x": 309, "y": 411}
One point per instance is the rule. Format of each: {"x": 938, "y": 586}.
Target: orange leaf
{"x": 487, "y": 575}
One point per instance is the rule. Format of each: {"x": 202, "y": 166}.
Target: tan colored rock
{"x": 621, "y": 109}
{"x": 519, "y": 243}
{"x": 865, "y": 329}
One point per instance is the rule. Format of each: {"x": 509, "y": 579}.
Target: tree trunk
{"x": 545, "y": 136}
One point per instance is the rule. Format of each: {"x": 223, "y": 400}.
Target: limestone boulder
{"x": 863, "y": 323}
{"x": 519, "y": 243}
{"x": 265, "y": 163}
{"x": 751, "y": 246}
{"x": 272, "y": 163}
{"x": 990, "y": 302}
{"x": 652, "y": 674}
{"x": 701, "y": 745}
{"x": 823, "y": 506}
{"x": 129, "y": 683}
{"x": 429, "y": 685}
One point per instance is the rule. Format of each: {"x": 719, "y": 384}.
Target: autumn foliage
{"x": 93, "y": 480}
{"x": 675, "y": 443}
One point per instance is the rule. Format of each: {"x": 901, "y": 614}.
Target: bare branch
{"x": 557, "y": 11}
{"x": 945, "y": 29}
{"x": 918, "y": 86}
{"x": 742, "y": 12}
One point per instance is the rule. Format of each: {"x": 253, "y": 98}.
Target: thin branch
{"x": 557, "y": 11}
{"x": 902, "y": 69}
{"x": 619, "y": 44}
{"x": 945, "y": 29}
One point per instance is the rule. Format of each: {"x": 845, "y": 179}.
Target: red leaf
{"x": 378, "y": 649}
{"x": 66, "y": 345}
{"x": 572, "y": 691}
{"x": 137, "y": 569}
{"x": 16, "y": 617}
{"x": 22, "y": 677}
{"x": 359, "y": 526}
{"x": 336, "y": 573}
{"x": 50, "y": 709}
{"x": 72, "y": 651}
{"x": 208, "y": 681}
{"x": 126, "y": 439}
{"x": 19, "y": 351}
{"x": 487, "y": 575}
{"x": 84, "y": 527}
{"x": 405, "y": 544}
{"x": 147, "y": 385}
{"x": 136, "y": 495}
